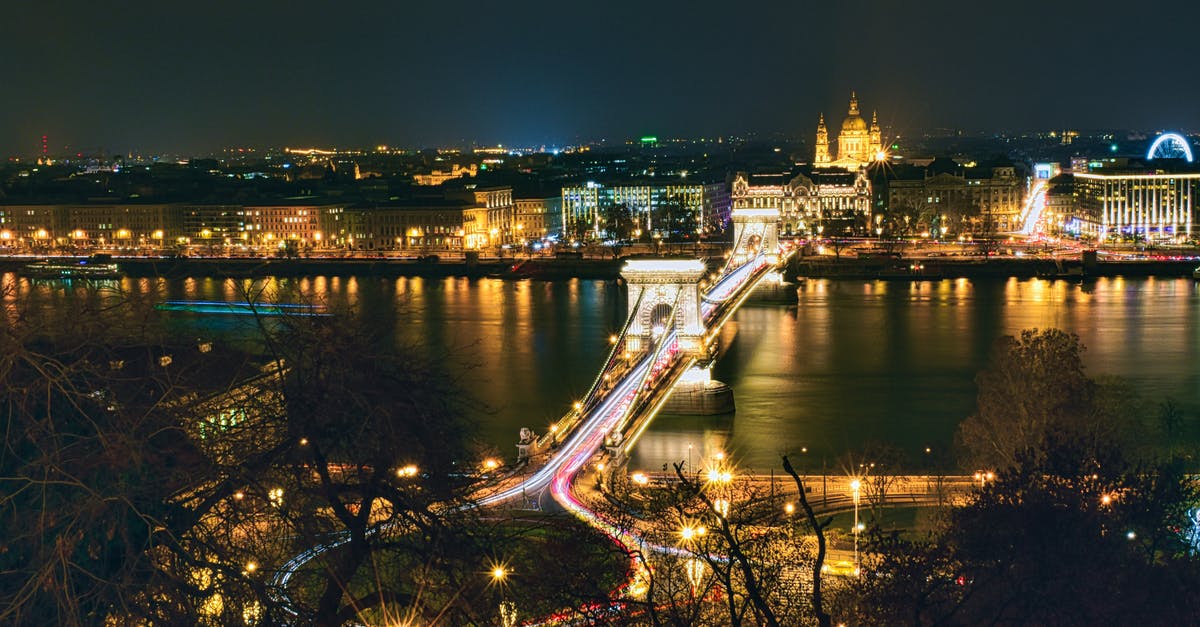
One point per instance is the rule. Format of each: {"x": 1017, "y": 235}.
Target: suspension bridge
{"x": 677, "y": 308}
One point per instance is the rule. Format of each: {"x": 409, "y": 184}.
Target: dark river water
{"x": 827, "y": 370}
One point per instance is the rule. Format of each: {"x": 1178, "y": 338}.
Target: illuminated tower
{"x": 876, "y": 137}
{"x": 822, "y": 155}
{"x": 854, "y": 139}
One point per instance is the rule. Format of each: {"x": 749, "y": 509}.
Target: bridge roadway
{"x": 613, "y": 408}
{"x": 641, "y": 387}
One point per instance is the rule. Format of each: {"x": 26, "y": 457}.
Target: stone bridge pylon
{"x": 664, "y": 293}
{"x": 755, "y": 231}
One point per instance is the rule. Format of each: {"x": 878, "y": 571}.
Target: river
{"x": 840, "y": 364}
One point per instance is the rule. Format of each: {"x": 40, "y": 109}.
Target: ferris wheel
{"x": 1170, "y": 146}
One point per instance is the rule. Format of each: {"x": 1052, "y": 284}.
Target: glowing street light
{"x": 983, "y": 477}
{"x": 639, "y": 478}
{"x": 508, "y": 609}
{"x": 855, "y": 486}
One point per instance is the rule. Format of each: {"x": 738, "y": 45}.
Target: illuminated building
{"x": 418, "y": 225}
{"x": 953, "y": 199}
{"x": 437, "y": 177}
{"x": 1060, "y": 205}
{"x": 857, "y": 144}
{"x": 811, "y": 202}
{"x": 273, "y": 225}
{"x": 213, "y": 224}
{"x": 121, "y": 225}
{"x": 469, "y": 218}
{"x": 490, "y": 217}
{"x": 538, "y": 218}
{"x": 88, "y": 226}
{"x": 31, "y": 225}
{"x": 1134, "y": 205}
{"x": 1046, "y": 171}
{"x": 654, "y": 207}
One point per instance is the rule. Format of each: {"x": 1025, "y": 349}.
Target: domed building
{"x": 857, "y": 143}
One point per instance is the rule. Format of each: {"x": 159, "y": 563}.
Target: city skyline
{"x": 156, "y": 78}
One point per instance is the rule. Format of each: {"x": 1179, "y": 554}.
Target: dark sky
{"x": 181, "y": 76}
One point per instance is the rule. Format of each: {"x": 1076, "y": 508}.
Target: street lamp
{"x": 508, "y": 610}
{"x": 983, "y": 477}
{"x": 855, "y": 485}
{"x": 721, "y": 476}
{"x": 688, "y": 532}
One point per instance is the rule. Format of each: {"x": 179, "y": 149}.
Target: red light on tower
{"x": 45, "y": 146}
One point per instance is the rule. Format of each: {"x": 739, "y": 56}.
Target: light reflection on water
{"x": 861, "y": 361}
{"x": 850, "y": 362}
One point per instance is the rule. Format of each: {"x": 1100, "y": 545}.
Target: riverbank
{"x": 543, "y": 268}
{"x": 550, "y": 268}
{"x": 918, "y": 269}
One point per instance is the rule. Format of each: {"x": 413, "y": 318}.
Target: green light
{"x": 649, "y": 139}
{"x": 1113, "y": 148}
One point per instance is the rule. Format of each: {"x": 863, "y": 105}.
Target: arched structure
{"x": 664, "y": 293}
{"x": 1170, "y": 145}
{"x": 755, "y": 231}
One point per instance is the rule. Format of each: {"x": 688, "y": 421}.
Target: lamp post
{"x": 855, "y": 485}
{"x": 508, "y": 610}
{"x": 693, "y": 567}
{"x": 720, "y": 475}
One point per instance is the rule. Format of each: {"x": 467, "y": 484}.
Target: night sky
{"x": 175, "y": 76}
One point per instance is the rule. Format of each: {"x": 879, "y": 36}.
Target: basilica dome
{"x": 854, "y": 123}
{"x": 858, "y": 143}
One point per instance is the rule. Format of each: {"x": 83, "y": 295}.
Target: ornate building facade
{"x": 810, "y": 202}
{"x": 857, "y": 144}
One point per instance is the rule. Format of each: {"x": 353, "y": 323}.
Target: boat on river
{"x": 96, "y": 267}
{"x": 241, "y": 308}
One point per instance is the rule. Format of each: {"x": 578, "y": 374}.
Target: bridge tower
{"x": 658, "y": 288}
{"x": 754, "y": 231}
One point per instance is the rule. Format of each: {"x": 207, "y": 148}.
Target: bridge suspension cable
{"x": 737, "y": 245}
{"x": 590, "y": 398}
{"x": 668, "y": 339}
